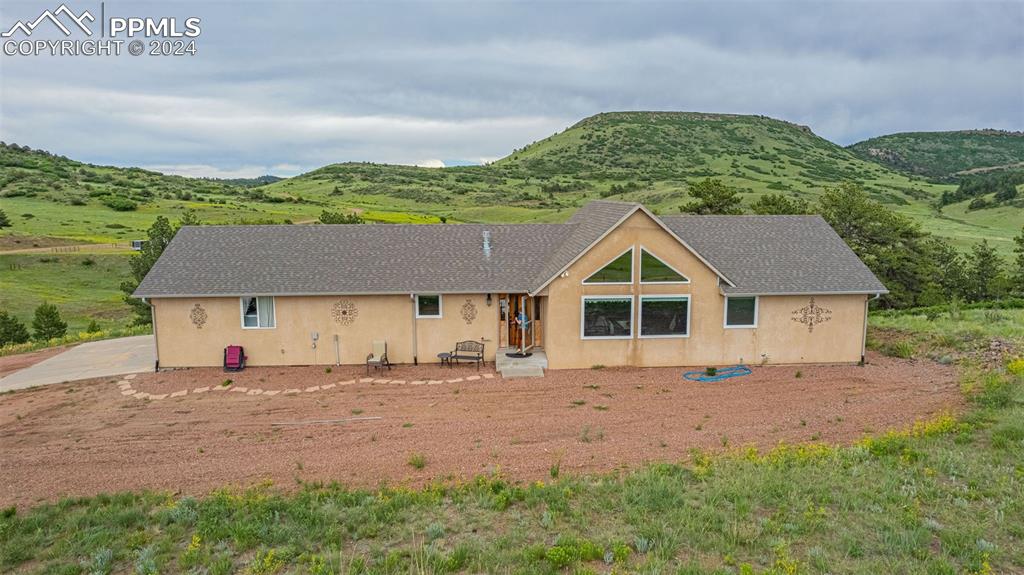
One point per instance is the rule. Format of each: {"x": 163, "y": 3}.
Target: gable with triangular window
{"x": 617, "y": 271}
{"x": 655, "y": 271}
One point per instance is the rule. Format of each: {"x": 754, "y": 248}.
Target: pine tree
{"x": 5, "y": 222}
{"x": 892, "y": 245}
{"x": 159, "y": 235}
{"x": 1017, "y": 278}
{"x": 47, "y": 323}
{"x": 780, "y": 205}
{"x": 985, "y": 273}
{"x": 11, "y": 329}
{"x": 713, "y": 197}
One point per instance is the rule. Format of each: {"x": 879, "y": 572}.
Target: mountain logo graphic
{"x": 29, "y": 27}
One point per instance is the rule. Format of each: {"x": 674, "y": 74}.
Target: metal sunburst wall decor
{"x": 345, "y": 312}
{"x": 811, "y": 315}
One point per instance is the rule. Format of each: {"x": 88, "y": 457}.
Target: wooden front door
{"x": 515, "y": 333}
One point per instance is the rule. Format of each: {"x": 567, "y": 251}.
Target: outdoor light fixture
{"x": 488, "y": 300}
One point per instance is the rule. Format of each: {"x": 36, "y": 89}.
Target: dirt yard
{"x": 89, "y": 437}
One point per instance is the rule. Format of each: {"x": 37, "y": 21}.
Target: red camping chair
{"x": 234, "y": 358}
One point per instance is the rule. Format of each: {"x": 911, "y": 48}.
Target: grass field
{"x": 943, "y": 496}
{"x": 83, "y": 286}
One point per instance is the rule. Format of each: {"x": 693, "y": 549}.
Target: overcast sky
{"x": 285, "y": 87}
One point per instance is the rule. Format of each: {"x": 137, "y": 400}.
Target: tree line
{"x": 918, "y": 268}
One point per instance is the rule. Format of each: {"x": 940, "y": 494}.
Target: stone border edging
{"x": 125, "y": 385}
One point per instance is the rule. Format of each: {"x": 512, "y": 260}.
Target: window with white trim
{"x": 617, "y": 271}
{"x": 655, "y": 271}
{"x": 741, "y": 311}
{"x": 428, "y": 306}
{"x": 609, "y": 317}
{"x": 258, "y": 312}
{"x": 664, "y": 316}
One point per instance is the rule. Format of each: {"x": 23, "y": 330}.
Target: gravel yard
{"x": 89, "y": 437}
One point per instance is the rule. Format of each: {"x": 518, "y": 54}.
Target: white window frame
{"x": 241, "y": 318}
{"x": 668, "y": 265}
{"x": 725, "y": 312}
{"x": 583, "y": 316}
{"x": 632, "y": 270}
{"x": 440, "y": 306}
{"x": 689, "y": 315}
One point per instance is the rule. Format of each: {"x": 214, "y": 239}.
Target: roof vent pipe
{"x": 487, "y": 243}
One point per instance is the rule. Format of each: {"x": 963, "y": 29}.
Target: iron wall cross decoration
{"x": 198, "y": 316}
{"x": 469, "y": 311}
{"x": 344, "y": 312}
{"x": 811, "y": 315}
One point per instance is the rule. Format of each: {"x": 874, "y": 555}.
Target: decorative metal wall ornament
{"x": 811, "y": 315}
{"x": 198, "y": 316}
{"x": 345, "y": 312}
{"x": 469, "y": 311}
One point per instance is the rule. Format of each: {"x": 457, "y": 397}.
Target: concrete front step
{"x": 522, "y": 371}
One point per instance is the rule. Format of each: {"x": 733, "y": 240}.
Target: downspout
{"x": 864, "y": 337}
{"x": 152, "y": 320}
{"x": 415, "y": 331}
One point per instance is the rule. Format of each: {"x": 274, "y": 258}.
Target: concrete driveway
{"x": 94, "y": 359}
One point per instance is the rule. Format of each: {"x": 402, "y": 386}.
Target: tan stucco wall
{"x": 387, "y": 317}
{"x": 710, "y": 343}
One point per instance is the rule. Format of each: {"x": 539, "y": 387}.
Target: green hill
{"x": 650, "y": 157}
{"x": 942, "y": 156}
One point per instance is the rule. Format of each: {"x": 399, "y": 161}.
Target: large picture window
{"x": 655, "y": 271}
{"x": 428, "y": 306}
{"x": 617, "y": 271}
{"x": 258, "y": 312}
{"x": 741, "y": 312}
{"x": 607, "y": 317}
{"x": 665, "y": 316}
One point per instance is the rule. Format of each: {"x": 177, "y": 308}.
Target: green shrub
{"x": 996, "y": 391}
{"x": 902, "y": 348}
{"x": 119, "y": 204}
{"x": 418, "y": 460}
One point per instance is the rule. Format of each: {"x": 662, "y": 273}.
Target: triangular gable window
{"x": 655, "y": 271}
{"x": 617, "y": 271}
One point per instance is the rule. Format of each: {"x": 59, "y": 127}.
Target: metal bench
{"x": 469, "y": 351}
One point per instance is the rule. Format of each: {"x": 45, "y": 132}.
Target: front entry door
{"x": 517, "y": 305}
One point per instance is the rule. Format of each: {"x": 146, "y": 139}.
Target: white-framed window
{"x": 654, "y": 271}
{"x": 258, "y": 312}
{"x": 664, "y": 316}
{"x": 741, "y": 312}
{"x": 618, "y": 271}
{"x": 606, "y": 317}
{"x": 428, "y": 306}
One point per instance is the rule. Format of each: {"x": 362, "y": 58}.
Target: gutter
{"x": 156, "y": 346}
{"x": 864, "y": 337}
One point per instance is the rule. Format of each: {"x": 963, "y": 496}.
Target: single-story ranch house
{"x": 615, "y": 285}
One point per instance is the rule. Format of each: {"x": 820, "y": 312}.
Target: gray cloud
{"x": 285, "y": 87}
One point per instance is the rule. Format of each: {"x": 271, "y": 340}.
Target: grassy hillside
{"x": 83, "y": 286}
{"x": 650, "y": 157}
{"x": 944, "y": 155}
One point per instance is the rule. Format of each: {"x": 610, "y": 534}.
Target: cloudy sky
{"x": 284, "y": 87}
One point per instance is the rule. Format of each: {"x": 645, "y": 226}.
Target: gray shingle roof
{"x": 776, "y": 254}
{"x": 587, "y": 225}
{"x": 760, "y": 254}
{"x": 350, "y": 259}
